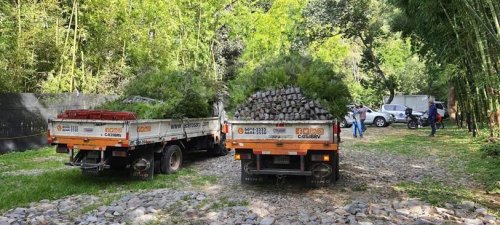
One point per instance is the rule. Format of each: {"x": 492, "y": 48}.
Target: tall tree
{"x": 362, "y": 21}
{"x": 463, "y": 37}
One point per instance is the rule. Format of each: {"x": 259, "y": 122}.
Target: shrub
{"x": 490, "y": 150}
{"x": 184, "y": 94}
{"x": 316, "y": 79}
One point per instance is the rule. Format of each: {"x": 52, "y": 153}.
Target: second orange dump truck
{"x": 286, "y": 148}
{"x": 96, "y": 140}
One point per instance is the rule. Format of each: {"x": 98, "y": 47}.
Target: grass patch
{"x": 18, "y": 190}
{"x": 437, "y": 193}
{"x": 360, "y": 187}
{"x": 226, "y": 202}
{"x": 453, "y": 144}
{"x": 204, "y": 181}
{"x": 44, "y": 158}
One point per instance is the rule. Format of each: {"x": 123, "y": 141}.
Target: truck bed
{"x": 282, "y": 137}
{"x": 286, "y": 148}
{"x": 85, "y": 134}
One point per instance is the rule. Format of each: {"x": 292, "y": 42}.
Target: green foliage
{"x": 490, "y": 150}
{"x": 460, "y": 42}
{"x": 143, "y": 110}
{"x": 314, "y": 77}
{"x": 386, "y": 59}
{"x": 183, "y": 94}
{"x": 100, "y": 46}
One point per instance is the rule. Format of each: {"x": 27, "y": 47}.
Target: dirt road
{"x": 365, "y": 194}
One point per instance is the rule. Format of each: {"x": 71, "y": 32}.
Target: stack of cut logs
{"x": 281, "y": 104}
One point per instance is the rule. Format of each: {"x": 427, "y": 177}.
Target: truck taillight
{"x": 320, "y": 158}
{"x": 126, "y": 136}
{"x": 240, "y": 156}
{"x": 226, "y": 128}
{"x": 336, "y": 132}
{"x": 336, "y": 127}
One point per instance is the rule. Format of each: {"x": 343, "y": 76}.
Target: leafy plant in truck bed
{"x": 316, "y": 79}
{"x": 180, "y": 94}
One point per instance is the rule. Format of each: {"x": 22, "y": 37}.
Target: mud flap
{"x": 246, "y": 177}
{"x": 143, "y": 165}
{"x": 323, "y": 175}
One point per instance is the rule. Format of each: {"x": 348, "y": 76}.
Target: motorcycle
{"x": 416, "y": 121}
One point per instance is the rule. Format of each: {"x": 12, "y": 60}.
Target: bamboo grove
{"x": 462, "y": 37}
{"x": 446, "y": 48}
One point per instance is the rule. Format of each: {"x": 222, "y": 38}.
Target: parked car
{"x": 419, "y": 103}
{"x": 379, "y": 119}
{"x": 398, "y": 111}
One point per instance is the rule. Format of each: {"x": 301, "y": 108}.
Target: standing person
{"x": 362, "y": 116}
{"x": 356, "y": 123}
{"x": 432, "y": 117}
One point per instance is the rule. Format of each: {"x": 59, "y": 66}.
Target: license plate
{"x": 281, "y": 160}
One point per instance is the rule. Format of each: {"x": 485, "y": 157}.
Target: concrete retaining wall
{"x": 23, "y": 117}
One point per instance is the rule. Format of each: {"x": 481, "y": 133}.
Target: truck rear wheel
{"x": 323, "y": 174}
{"x": 246, "y": 177}
{"x": 171, "y": 160}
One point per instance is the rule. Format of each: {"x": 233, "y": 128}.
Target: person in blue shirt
{"x": 432, "y": 117}
{"x": 356, "y": 123}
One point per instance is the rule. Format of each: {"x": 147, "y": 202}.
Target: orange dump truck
{"x": 286, "y": 148}
{"x": 98, "y": 140}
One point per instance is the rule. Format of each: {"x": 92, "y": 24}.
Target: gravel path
{"x": 364, "y": 195}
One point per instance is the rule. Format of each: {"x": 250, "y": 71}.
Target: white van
{"x": 418, "y": 103}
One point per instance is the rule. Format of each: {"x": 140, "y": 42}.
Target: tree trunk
{"x": 391, "y": 96}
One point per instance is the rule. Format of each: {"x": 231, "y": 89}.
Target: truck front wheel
{"x": 246, "y": 176}
{"x": 171, "y": 160}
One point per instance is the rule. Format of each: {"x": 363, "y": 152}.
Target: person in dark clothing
{"x": 432, "y": 117}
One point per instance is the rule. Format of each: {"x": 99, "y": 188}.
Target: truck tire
{"x": 323, "y": 174}
{"x": 171, "y": 160}
{"x": 246, "y": 177}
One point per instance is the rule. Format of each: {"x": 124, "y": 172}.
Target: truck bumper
{"x": 99, "y": 166}
{"x": 281, "y": 172}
